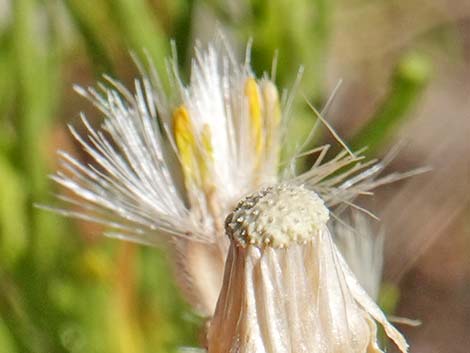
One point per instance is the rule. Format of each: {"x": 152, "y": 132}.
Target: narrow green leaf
{"x": 7, "y": 343}
{"x": 409, "y": 81}
{"x": 141, "y": 29}
{"x": 13, "y": 213}
{"x": 90, "y": 20}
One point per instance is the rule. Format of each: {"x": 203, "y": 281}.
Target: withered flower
{"x": 286, "y": 287}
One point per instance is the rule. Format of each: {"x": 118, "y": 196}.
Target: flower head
{"x": 287, "y": 288}
{"x": 172, "y": 168}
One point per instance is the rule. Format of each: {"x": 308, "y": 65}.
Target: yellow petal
{"x": 256, "y": 114}
{"x": 186, "y": 143}
{"x": 195, "y": 151}
{"x": 272, "y": 113}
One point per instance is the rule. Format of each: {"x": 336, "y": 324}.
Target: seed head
{"x": 169, "y": 168}
{"x": 277, "y": 216}
{"x": 286, "y": 286}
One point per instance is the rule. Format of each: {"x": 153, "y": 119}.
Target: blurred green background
{"x": 64, "y": 288}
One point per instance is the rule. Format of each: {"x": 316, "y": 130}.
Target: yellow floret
{"x": 272, "y": 113}
{"x": 255, "y": 105}
{"x": 186, "y": 143}
{"x": 195, "y": 151}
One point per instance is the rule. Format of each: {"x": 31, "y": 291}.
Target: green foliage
{"x": 13, "y": 208}
{"x": 408, "y": 81}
